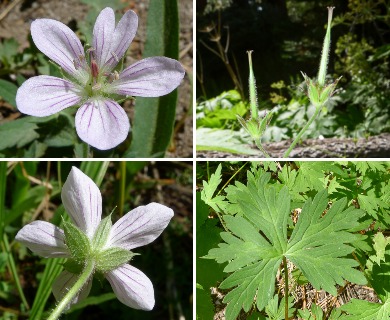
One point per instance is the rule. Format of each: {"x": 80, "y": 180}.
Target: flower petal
{"x": 43, "y": 238}
{"x": 82, "y": 201}
{"x": 102, "y": 123}
{"x": 140, "y": 226}
{"x": 123, "y": 36}
{"x": 102, "y": 35}
{"x": 150, "y": 77}
{"x": 44, "y": 95}
{"x": 132, "y": 287}
{"x": 64, "y": 282}
{"x": 60, "y": 44}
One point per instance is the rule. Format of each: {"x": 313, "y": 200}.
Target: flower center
{"x": 97, "y": 80}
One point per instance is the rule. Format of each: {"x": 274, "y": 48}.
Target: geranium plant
{"x": 284, "y": 230}
{"x": 95, "y": 246}
{"x": 94, "y": 81}
{"x": 318, "y": 92}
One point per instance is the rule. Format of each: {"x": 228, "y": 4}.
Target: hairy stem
{"x": 285, "y": 289}
{"x": 258, "y": 144}
{"x": 66, "y": 300}
{"x": 298, "y": 137}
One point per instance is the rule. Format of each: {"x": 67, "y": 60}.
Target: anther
{"x": 97, "y": 86}
{"x": 115, "y": 56}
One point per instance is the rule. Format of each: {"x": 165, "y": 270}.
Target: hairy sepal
{"x": 112, "y": 258}
{"x": 77, "y": 242}
{"x": 102, "y": 233}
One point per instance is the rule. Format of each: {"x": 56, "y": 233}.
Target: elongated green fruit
{"x": 252, "y": 88}
{"x": 325, "y": 50}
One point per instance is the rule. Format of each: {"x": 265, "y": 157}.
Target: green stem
{"x": 285, "y": 289}
{"x": 258, "y": 144}
{"x": 298, "y": 137}
{"x": 67, "y": 299}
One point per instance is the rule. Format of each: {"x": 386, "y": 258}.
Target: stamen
{"x": 115, "y": 56}
{"x": 97, "y": 86}
{"x": 76, "y": 64}
{"x": 116, "y": 75}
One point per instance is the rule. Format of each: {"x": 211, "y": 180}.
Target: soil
{"x": 371, "y": 147}
{"x": 304, "y": 297}
{"x": 16, "y": 17}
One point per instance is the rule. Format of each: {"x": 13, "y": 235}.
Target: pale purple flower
{"x": 83, "y": 202}
{"x": 100, "y": 121}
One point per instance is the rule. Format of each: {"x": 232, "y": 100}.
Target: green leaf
{"x": 380, "y": 243}
{"x": 8, "y": 91}
{"x": 8, "y": 50}
{"x": 258, "y": 240}
{"x": 209, "y": 189}
{"x": 365, "y": 310}
{"x": 223, "y": 140}
{"x": 59, "y": 131}
{"x": 275, "y": 311}
{"x": 154, "y": 117}
{"x": 18, "y": 133}
{"x": 316, "y": 313}
{"x": 318, "y": 245}
{"x": 380, "y": 277}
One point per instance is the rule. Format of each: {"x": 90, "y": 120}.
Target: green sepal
{"x": 102, "y": 232}
{"x": 255, "y": 128}
{"x": 252, "y": 127}
{"x": 77, "y": 241}
{"x": 112, "y": 258}
{"x": 73, "y": 266}
{"x": 313, "y": 93}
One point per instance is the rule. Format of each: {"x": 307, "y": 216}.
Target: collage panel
{"x": 103, "y": 79}
{"x": 93, "y": 240}
{"x": 292, "y": 79}
{"x": 292, "y": 240}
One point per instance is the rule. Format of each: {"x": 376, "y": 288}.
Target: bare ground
{"x": 371, "y": 147}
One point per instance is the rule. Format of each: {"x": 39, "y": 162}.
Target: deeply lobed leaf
{"x": 258, "y": 240}
{"x": 209, "y": 188}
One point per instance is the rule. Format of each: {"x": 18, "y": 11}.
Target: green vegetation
{"x": 270, "y": 232}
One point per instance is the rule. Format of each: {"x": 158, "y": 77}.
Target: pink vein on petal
{"x": 125, "y": 235}
{"x": 50, "y": 235}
